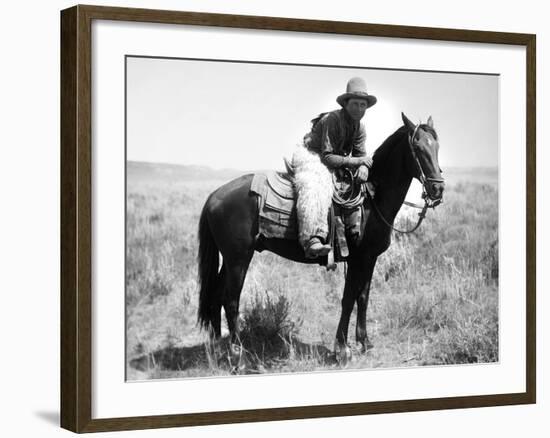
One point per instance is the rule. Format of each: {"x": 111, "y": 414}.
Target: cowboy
{"x": 336, "y": 140}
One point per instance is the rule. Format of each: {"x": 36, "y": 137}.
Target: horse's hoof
{"x": 366, "y": 347}
{"x": 236, "y": 370}
{"x": 343, "y": 354}
{"x": 234, "y": 357}
{"x": 235, "y": 353}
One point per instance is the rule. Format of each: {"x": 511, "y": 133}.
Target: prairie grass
{"x": 433, "y": 301}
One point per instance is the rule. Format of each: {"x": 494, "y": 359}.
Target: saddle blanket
{"x": 277, "y": 205}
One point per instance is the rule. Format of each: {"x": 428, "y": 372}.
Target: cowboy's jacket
{"x": 335, "y": 135}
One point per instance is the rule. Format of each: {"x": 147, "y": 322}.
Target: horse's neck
{"x": 393, "y": 183}
{"x": 389, "y": 198}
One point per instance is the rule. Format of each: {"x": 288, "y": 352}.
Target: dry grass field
{"x": 434, "y": 297}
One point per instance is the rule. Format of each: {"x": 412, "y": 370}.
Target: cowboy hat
{"x": 356, "y": 88}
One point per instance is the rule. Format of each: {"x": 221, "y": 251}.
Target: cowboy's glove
{"x": 362, "y": 174}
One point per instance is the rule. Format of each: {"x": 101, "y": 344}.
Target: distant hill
{"x": 139, "y": 171}
{"x": 144, "y": 171}
{"x": 483, "y": 175}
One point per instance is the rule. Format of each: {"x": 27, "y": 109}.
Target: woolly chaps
{"x": 313, "y": 183}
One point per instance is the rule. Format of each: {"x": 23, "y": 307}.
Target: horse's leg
{"x": 235, "y": 273}
{"x": 355, "y": 281}
{"x": 362, "y": 304}
{"x": 348, "y": 301}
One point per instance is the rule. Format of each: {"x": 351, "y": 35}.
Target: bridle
{"x": 428, "y": 202}
{"x": 424, "y": 180}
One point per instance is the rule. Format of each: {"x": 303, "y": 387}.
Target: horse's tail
{"x": 208, "y": 272}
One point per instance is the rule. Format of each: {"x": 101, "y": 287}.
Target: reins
{"x": 355, "y": 197}
{"x": 421, "y": 215}
{"x": 355, "y": 200}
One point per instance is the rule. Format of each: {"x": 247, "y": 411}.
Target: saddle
{"x": 277, "y": 205}
{"x": 278, "y": 218}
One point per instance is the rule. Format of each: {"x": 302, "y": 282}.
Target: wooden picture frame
{"x": 76, "y": 217}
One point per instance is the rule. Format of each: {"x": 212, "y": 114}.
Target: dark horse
{"x": 229, "y": 225}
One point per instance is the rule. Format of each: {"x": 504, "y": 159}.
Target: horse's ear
{"x": 410, "y": 125}
{"x": 430, "y": 122}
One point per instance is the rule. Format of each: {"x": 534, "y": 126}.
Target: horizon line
{"x": 485, "y": 166}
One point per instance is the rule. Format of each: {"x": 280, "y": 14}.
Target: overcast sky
{"x": 248, "y": 116}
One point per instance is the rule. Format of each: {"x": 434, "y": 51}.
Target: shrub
{"x": 267, "y": 328}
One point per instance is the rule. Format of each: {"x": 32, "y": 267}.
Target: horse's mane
{"x": 384, "y": 149}
{"x": 382, "y": 153}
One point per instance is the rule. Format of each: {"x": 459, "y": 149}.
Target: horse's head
{"x": 424, "y": 163}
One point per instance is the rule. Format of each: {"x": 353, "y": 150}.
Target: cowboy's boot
{"x": 315, "y": 248}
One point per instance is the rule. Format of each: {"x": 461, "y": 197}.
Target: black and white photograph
{"x": 292, "y": 218}
{"x": 274, "y": 219}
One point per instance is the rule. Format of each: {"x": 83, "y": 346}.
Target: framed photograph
{"x": 270, "y": 218}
